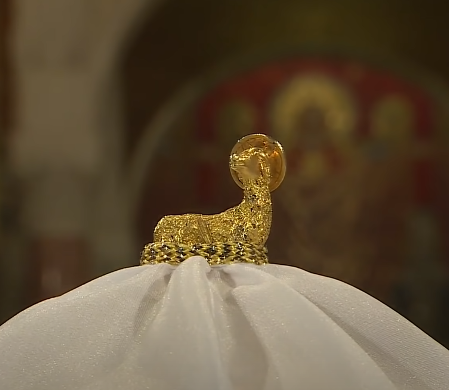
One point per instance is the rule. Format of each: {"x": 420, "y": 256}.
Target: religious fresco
{"x": 364, "y": 199}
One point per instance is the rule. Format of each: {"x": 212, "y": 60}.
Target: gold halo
{"x": 273, "y": 149}
{"x": 320, "y": 91}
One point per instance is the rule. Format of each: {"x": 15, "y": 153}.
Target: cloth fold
{"x": 233, "y": 327}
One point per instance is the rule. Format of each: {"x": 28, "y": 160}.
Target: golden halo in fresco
{"x": 316, "y": 102}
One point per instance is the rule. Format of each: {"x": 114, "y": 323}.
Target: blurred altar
{"x": 114, "y": 114}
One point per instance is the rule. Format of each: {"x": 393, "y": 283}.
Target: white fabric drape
{"x": 196, "y": 327}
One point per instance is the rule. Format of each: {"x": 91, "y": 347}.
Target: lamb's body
{"x": 250, "y": 221}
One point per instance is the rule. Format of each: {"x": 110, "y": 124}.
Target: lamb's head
{"x": 250, "y": 164}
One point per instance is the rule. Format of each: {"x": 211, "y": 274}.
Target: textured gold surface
{"x": 215, "y": 254}
{"x": 273, "y": 151}
{"x": 252, "y": 160}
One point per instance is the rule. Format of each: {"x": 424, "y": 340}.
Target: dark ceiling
{"x": 184, "y": 40}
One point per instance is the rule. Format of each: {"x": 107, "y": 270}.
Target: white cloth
{"x": 196, "y": 327}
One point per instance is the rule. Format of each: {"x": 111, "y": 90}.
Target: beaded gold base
{"x": 215, "y": 254}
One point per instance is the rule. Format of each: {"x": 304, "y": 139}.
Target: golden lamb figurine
{"x": 238, "y": 234}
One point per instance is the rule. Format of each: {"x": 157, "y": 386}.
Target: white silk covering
{"x": 234, "y": 327}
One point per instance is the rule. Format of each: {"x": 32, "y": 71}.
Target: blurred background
{"x": 116, "y": 113}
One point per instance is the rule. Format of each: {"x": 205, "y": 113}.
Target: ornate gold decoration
{"x": 238, "y": 234}
{"x": 273, "y": 151}
{"x": 218, "y": 254}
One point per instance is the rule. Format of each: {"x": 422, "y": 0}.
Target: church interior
{"x": 116, "y": 113}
